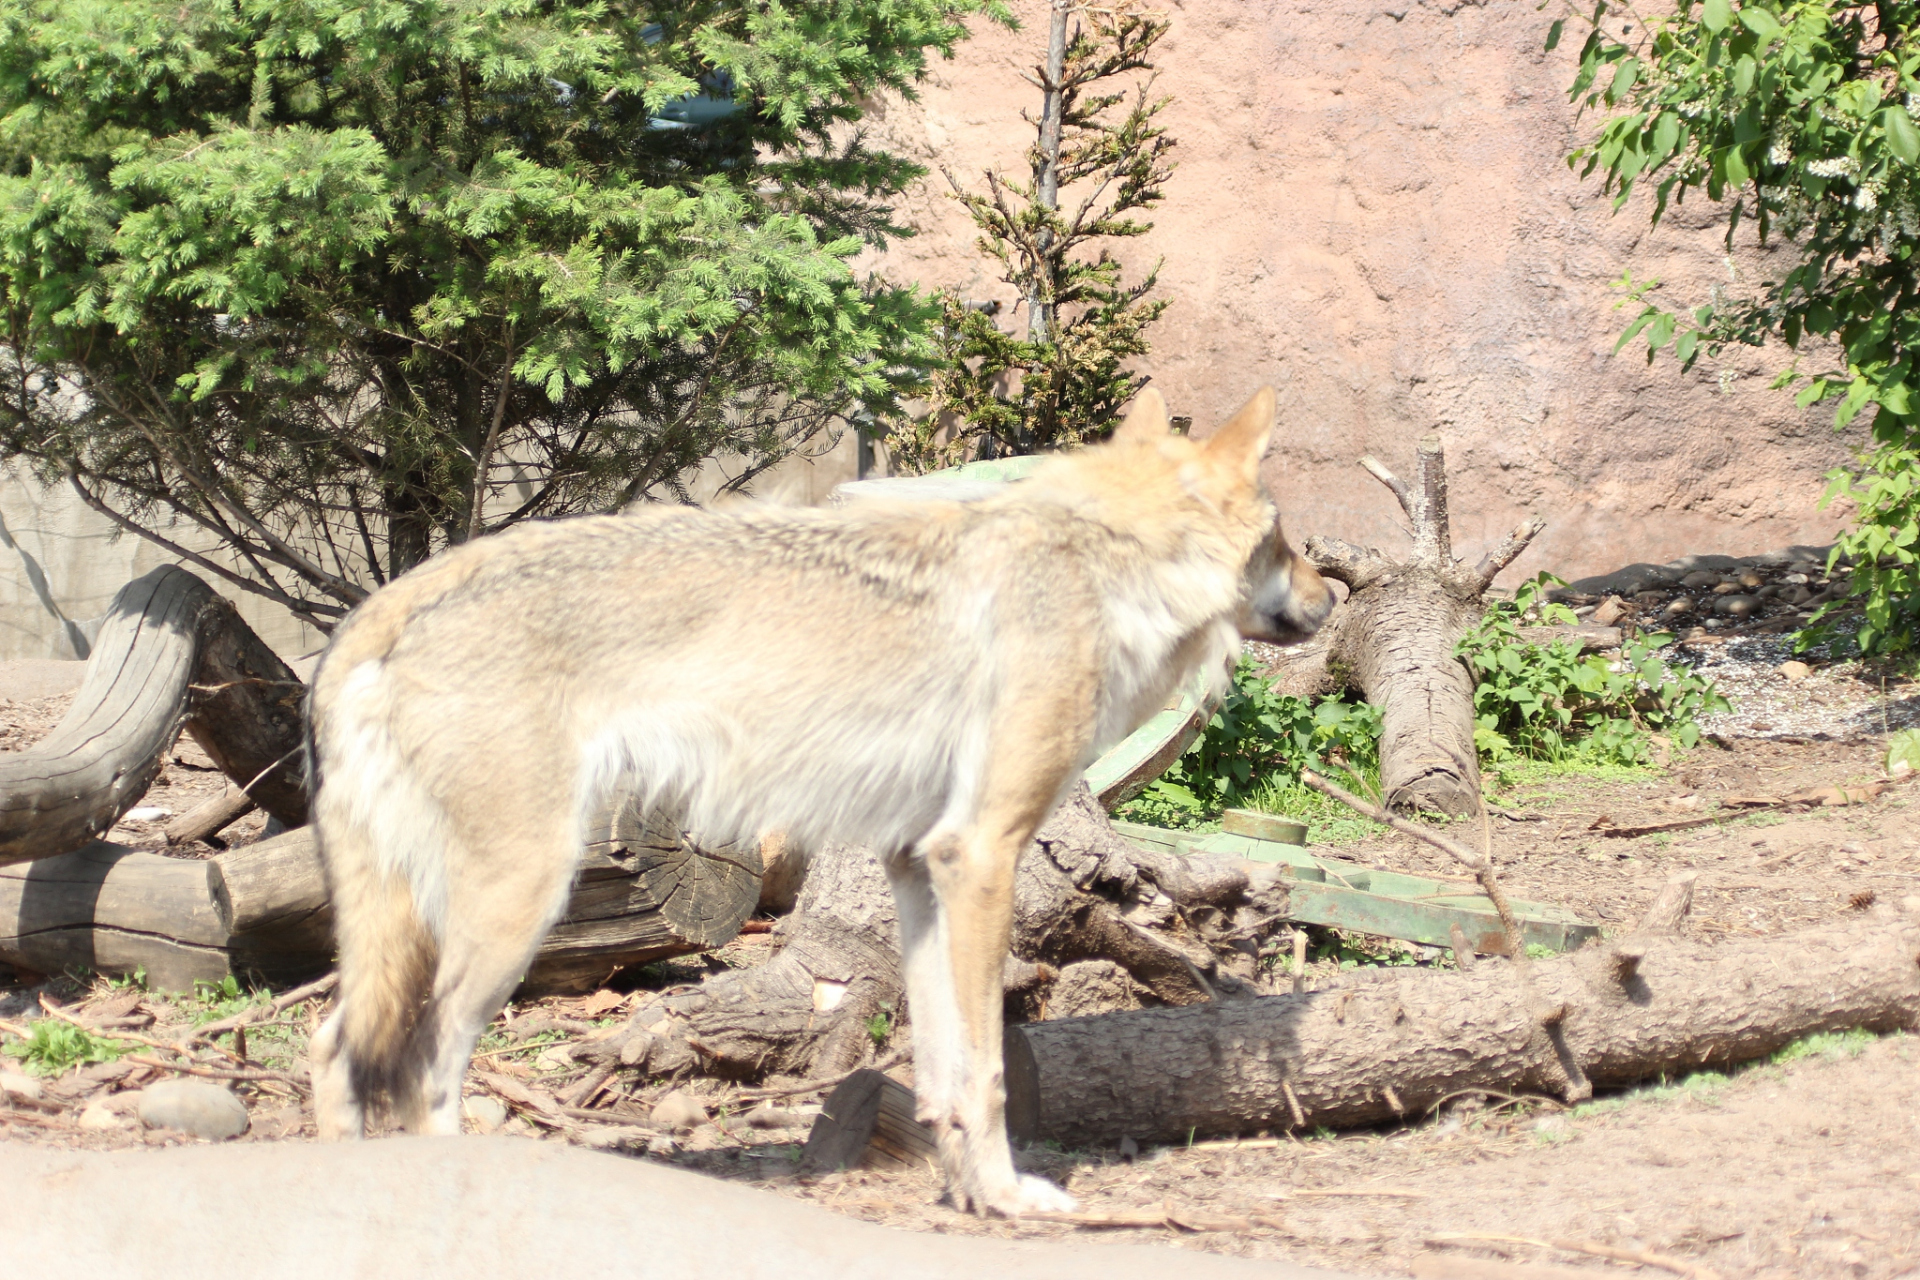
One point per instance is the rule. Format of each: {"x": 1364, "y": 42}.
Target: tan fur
{"x": 924, "y": 677}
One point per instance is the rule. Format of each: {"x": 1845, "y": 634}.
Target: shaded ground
{"x": 1802, "y": 1168}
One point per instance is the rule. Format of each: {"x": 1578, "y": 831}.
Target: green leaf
{"x": 1902, "y": 138}
{"x": 1553, "y": 33}
{"x": 1736, "y": 167}
{"x": 1716, "y": 15}
{"x": 1760, "y": 22}
{"x": 1659, "y": 333}
{"x": 1683, "y": 347}
{"x": 1666, "y": 132}
{"x": 1623, "y": 78}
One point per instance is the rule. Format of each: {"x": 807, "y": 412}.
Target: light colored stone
{"x": 1700, "y": 578}
{"x": 486, "y": 1112}
{"x": 678, "y": 1110}
{"x": 1735, "y": 606}
{"x": 1677, "y": 606}
{"x": 197, "y": 1107}
{"x": 98, "y": 1115}
{"x": 1794, "y": 670}
{"x": 14, "y": 1084}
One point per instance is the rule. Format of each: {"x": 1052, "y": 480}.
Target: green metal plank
{"x": 1425, "y": 922}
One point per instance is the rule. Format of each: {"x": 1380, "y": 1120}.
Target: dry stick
{"x": 1481, "y": 867}
{"x": 257, "y": 1075}
{"x": 1644, "y": 1257}
{"x": 280, "y": 1003}
{"x": 893, "y": 1059}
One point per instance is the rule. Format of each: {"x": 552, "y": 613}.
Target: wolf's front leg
{"x": 955, "y": 897}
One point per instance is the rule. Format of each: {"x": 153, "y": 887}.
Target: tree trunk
{"x": 1395, "y": 635}
{"x": 170, "y": 652}
{"x": 645, "y": 892}
{"x": 1082, "y": 892}
{"x": 1366, "y": 1051}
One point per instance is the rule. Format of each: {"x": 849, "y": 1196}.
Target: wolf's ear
{"x": 1242, "y": 442}
{"x": 1147, "y": 419}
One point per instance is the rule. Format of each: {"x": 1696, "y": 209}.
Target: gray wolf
{"x": 926, "y": 678}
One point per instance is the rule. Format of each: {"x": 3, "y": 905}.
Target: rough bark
{"x": 1082, "y": 892}
{"x": 644, "y": 893}
{"x": 209, "y": 818}
{"x": 1394, "y": 640}
{"x": 170, "y": 653}
{"x": 1366, "y": 1051}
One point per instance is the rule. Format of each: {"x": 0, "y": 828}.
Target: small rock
{"x": 1648, "y": 599}
{"x": 1678, "y": 606}
{"x": 198, "y": 1107}
{"x": 1794, "y": 670}
{"x": 1726, "y": 588}
{"x": 15, "y": 1085}
{"x": 486, "y": 1112}
{"x": 98, "y": 1115}
{"x": 1796, "y": 580}
{"x": 1129, "y": 1149}
{"x": 1766, "y": 593}
{"x": 1796, "y": 594}
{"x": 678, "y": 1110}
{"x": 768, "y": 1116}
{"x": 1752, "y": 581}
{"x": 1699, "y": 578}
{"x": 661, "y": 1145}
{"x": 146, "y": 813}
{"x": 1736, "y": 606}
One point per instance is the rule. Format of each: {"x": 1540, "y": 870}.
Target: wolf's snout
{"x": 1293, "y": 606}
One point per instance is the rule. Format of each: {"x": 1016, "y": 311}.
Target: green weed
{"x": 1549, "y": 702}
{"x": 52, "y": 1047}
{"x": 1830, "y": 1046}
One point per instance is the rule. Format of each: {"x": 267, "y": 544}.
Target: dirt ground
{"x": 1804, "y": 1166}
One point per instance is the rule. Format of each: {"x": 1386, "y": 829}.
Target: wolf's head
{"x": 1193, "y": 502}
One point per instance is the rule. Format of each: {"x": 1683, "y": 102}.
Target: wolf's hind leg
{"x": 513, "y": 887}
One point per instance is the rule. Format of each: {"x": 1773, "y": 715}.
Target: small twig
{"x": 279, "y": 1004}
{"x": 257, "y": 1074}
{"x": 1644, "y": 1257}
{"x": 893, "y": 1059}
{"x": 54, "y": 1011}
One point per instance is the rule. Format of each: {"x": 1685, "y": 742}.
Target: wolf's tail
{"x": 383, "y": 843}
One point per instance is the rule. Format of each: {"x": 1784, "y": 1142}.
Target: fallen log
{"x": 170, "y": 653}
{"x": 1394, "y": 638}
{"x": 1082, "y": 892}
{"x": 645, "y": 892}
{"x": 210, "y": 817}
{"x": 1394, "y": 1043}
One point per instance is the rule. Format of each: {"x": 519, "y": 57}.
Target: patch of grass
{"x": 1328, "y": 821}
{"x": 52, "y": 1047}
{"x": 1519, "y": 771}
{"x": 1705, "y": 1087}
{"x": 1830, "y": 1046}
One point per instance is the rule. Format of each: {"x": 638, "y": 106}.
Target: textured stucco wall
{"x": 1372, "y": 211}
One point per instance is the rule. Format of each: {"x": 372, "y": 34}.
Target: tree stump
{"x": 1394, "y": 640}
{"x": 171, "y": 652}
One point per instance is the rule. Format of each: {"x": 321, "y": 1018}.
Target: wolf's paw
{"x": 1027, "y": 1194}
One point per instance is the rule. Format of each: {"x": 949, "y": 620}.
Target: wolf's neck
{"x": 1165, "y": 621}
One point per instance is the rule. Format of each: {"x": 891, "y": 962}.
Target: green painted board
{"x": 1339, "y": 894}
{"x": 1146, "y": 753}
